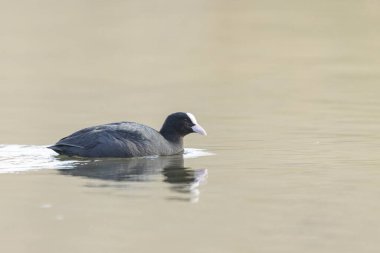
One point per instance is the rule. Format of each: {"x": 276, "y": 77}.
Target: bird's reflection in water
{"x": 181, "y": 179}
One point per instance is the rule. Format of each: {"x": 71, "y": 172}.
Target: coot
{"x": 129, "y": 139}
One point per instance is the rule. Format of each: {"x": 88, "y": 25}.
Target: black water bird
{"x": 130, "y": 139}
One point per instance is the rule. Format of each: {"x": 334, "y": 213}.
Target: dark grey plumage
{"x": 129, "y": 139}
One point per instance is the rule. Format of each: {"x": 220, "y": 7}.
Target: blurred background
{"x": 65, "y": 65}
{"x": 287, "y": 90}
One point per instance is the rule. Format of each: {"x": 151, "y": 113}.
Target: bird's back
{"x": 121, "y": 139}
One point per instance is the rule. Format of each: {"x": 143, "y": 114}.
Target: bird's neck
{"x": 172, "y": 136}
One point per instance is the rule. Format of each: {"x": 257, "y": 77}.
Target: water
{"x": 287, "y": 91}
{"x": 18, "y": 158}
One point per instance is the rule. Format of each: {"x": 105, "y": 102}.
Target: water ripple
{"x": 18, "y": 158}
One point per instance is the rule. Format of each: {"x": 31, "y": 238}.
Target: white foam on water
{"x": 19, "y": 158}
{"x": 195, "y": 153}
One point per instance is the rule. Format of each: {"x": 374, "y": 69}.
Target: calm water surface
{"x": 288, "y": 92}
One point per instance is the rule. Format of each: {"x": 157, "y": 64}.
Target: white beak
{"x": 198, "y": 129}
